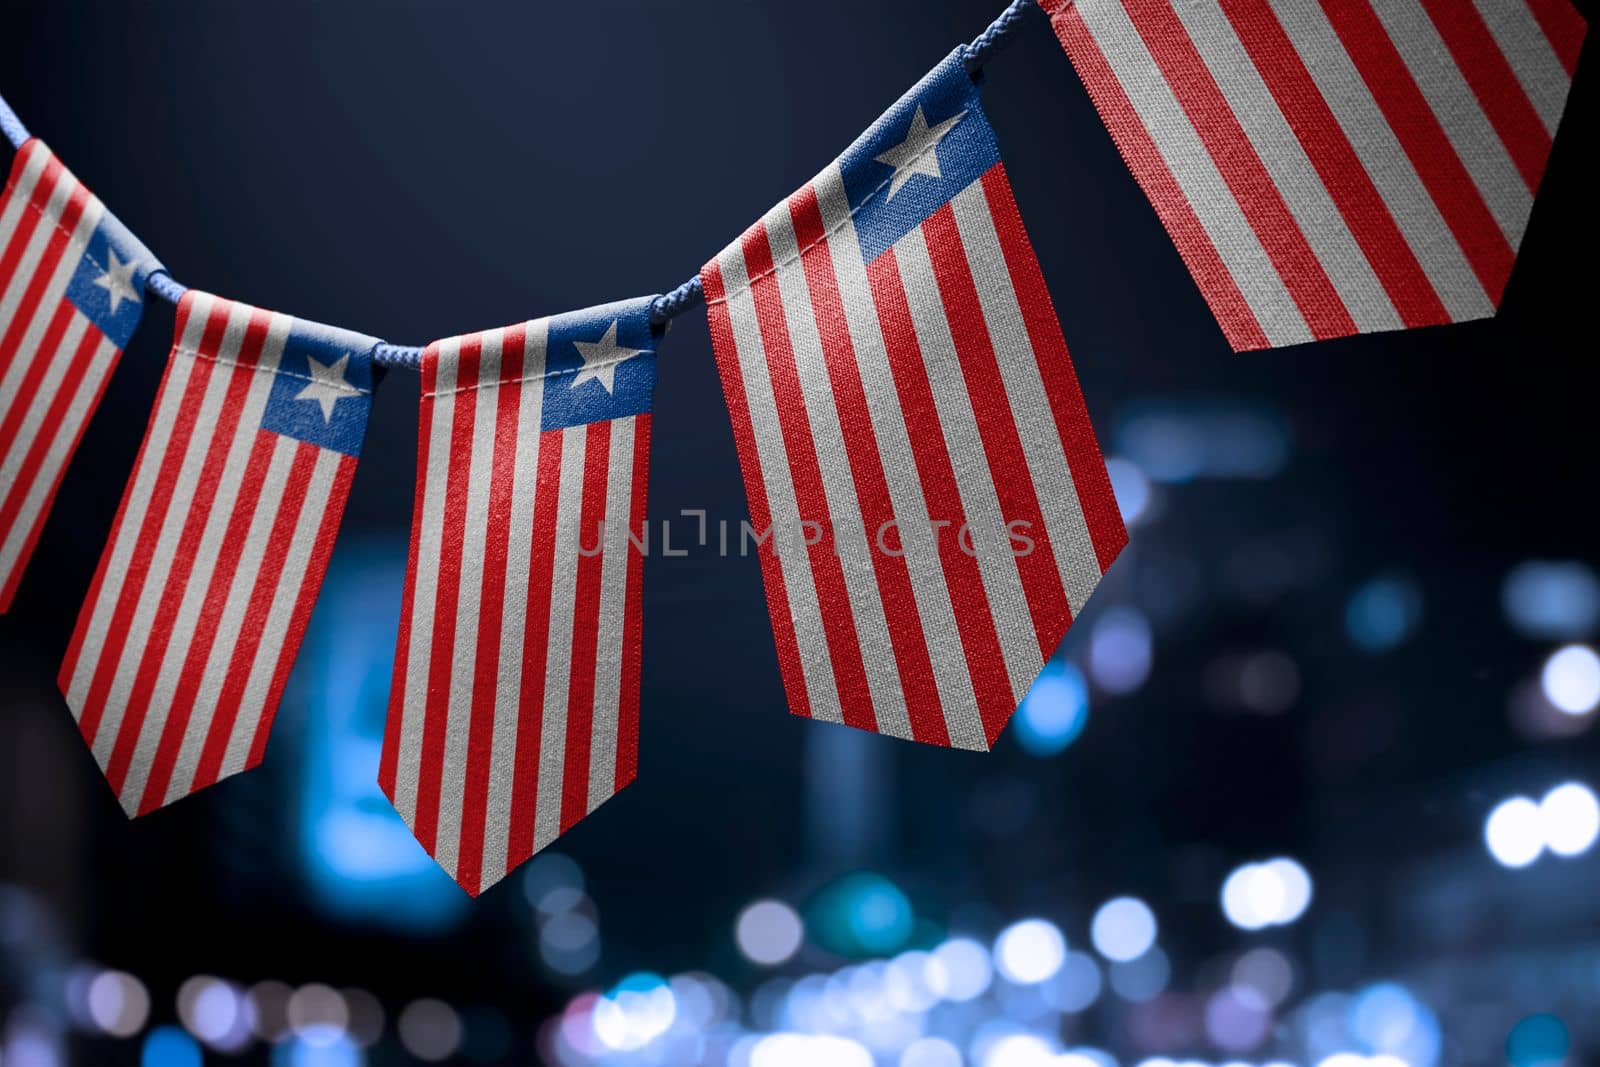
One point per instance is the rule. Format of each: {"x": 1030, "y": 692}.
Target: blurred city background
{"x": 1312, "y": 782}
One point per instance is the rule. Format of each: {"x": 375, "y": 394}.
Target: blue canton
{"x": 112, "y": 246}
{"x": 322, "y": 391}
{"x": 600, "y": 363}
{"x": 890, "y": 202}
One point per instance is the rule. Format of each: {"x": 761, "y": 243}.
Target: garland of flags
{"x": 932, "y": 507}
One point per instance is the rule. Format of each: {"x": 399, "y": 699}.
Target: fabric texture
{"x": 71, "y": 290}
{"x": 931, "y": 503}
{"x": 514, "y": 710}
{"x": 201, "y": 597}
{"x": 1338, "y": 167}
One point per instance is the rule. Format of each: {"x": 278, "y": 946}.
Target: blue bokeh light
{"x": 1550, "y": 600}
{"x": 861, "y": 915}
{"x": 168, "y": 1046}
{"x": 1054, "y": 712}
{"x": 1383, "y": 613}
{"x": 1538, "y": 1041}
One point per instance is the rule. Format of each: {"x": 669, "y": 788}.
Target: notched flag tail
{"x": 1338, "y": 167}
{"x": 914, "y": 443}
{"x": 514, "y": 709}
{"x": 219, "y": 546}
{"x": 71, "y": 290}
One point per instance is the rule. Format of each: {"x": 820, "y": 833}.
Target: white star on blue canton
{"x": 600, "y": 359}
{"x": 918, "y": 153}
{"x": 327, "y": 385}
{"x": 117, "y": 280}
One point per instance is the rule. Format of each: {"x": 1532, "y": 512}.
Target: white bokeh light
{"x": 1514, "y": 832}
{"x": 118, "y": 1003}
{"x": 1018, "y": 1050}
{"x": 1296, "y": 886}
{"x": 1570, "y": 819}
{"x": 1123, "y": 929}
{"x": 961, "y": 970}
{"x": 1274, "y": 893}
{"x": 1571, "y": 679}
{"x": 1030, "y": 951}
{"x": 930, "y": 1052}
{"x": 769, "y": 932}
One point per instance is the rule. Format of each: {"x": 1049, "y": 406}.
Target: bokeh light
{"x": 118, "y": 1003}
{"x": 1514, "y": 832}
{"x": 1538, "y": 1041}
{"x": 1054, "y": 712}
{"x": 1383, "y": 613}
{"x": 1551, "y": 600}
{"x": 966, "y": 972}
{"x": 1274, "y": 893}
{"x": 429, "y": 1029}
{"x": 1571, "y": 679}
{"x": 1120, "y": 650}
{"x": 168, "y": 1046}
{"x": 769, "y": 932}
{"x": 1570, "y": 819}
{"x": 1123, "y": 929}
{"x": 1030, "y": 951}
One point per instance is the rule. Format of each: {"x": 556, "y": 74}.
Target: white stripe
{"x": 1384, "y": 159}
{"x": 794, "y": 563}
{"x": 18, "y": 195}
{"x": 43, "y": 486}
{"x": 425, "y": 590}
{"x": 203, "y": 419}
{"x": 302, "y": 545}
{"x": 1059, "y": 505}
{"x": 612, "y": 614}
{"x": 1290, "y": 169}
{"x": 136, "y": 502}
{"x": 929, "y": 586}
{"x": 230, "y": 628}
{"x": 1533, "y": 58}
{"x": 850, "y": 536}
{"x": 199, "y": 589}
{"x": 457, "y": 703}
{"x": 514, "y": 618}
{"x": 558, "y": 656}
{"x": 51, "y": 382}
{"x": 1002, "y": 582}
{"x": 29, "y": 345}
{"x": 1452, "y": 101}
{"x": 1195, "y": 172}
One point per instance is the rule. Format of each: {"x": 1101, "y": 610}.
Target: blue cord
{"x": 15, "y": 131}
{"x": 665, "y": 307}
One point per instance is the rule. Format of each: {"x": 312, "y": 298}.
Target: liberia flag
{"x": 932, "y": 506}
{"x": 201, "y": 597}
{"x": 514, "y": 709}
{"x": 1335, "y": 167}
{"x": 71, "y": 289}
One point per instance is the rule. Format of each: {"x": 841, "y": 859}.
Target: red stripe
{"x": 389, "y": 761}
{"x": 50, "y": 431}
{"x": 38, "y": 361}
{"x": 906, "y": 636}
{"x": 197, "y": 514}
{"x": 1494, "y": 84}
{"x": 441, "y": 650}
{"x": 525, "y": 798}
{"x": 997, "y": 427}
{"x": 27, "y": 220}
{"x": 1336, "y": 162}
{"x": 187, "y": 691}
{"x": 755, "y": 487}
{"x": 1089, "y": 476}
{"x": 55, "y": 247}
{"x": 827, "y": 572}
{"x": 486, "y": 668}
{"x": 131, "y": 588}
{"x": 1424, "y": 141}
{"x": 633, "y": 614}
{"x": 69, "y": 663}
{"x": 1144, "y": 160}
{"x": 310, "y": 583}
{"x": 269, "y": 570}
{"x": 1241, "y": 168}
{"x": 1563, "y": 26}
{"x": 974, "y": 620}
{"x": 585, "y": 624}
